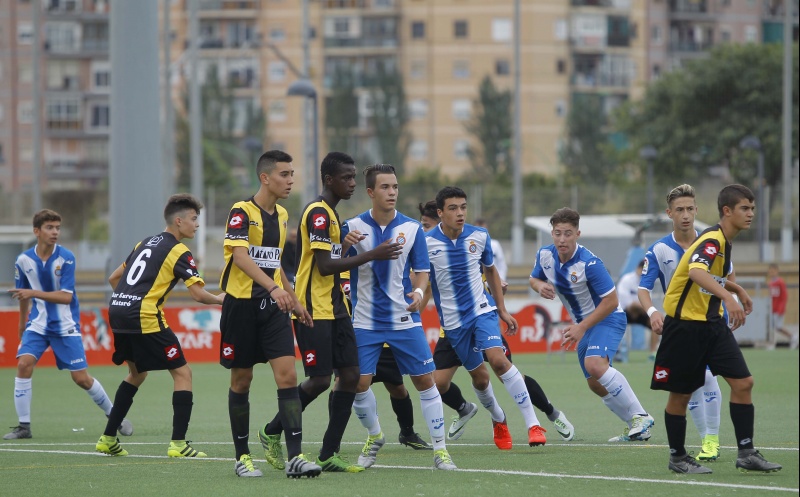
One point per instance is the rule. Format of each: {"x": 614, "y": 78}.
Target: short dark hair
{"x": 372, "y": 172}
{"x": 641, "y": 263}
{"x": 732, "y": 195}
{"x": 45, "y": 215}
{"x": 428, "y": 209}
{"x": 331, "y": 163}
{"x": 266, "y": 163}
{"x": 449, "y": 192}
{"x": 565, "y": 215}
{"x": 179, "y": 203}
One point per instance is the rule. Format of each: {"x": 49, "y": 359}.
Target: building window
{"x": 750, "y": 33}
{"x": 62, "y": 37}
{"x": 461, "y": 149}
{"x": 276, "y": 71}
{"x": 276, "y": 111}
{"x": 655, "y": 34}
{"x": 64, "y": 109}
{"x": 462, "y": 109}
{"x": 277, "y": 34}
{"x": 63, "y": 75}
{"x": 101, "y": 76}
{"x": 25, "y": 72}
{"x": 100, "y": 116}
{"x": 561, "y": 66}
{"x": 418, "y": 69}
{"x": 460, "y": 29}
{"x": 25, "y": 112}
{"x": 418, "y": 108}
{"x": 24, "y": 33}
{"x": 502, "y": 30}
{"x": 418, "y": 29}
{"x": 461, "y": 69}
{"x": 418, "y": 150}
{"x": 502, "y": 67}
{"x": 656, "y": 71}
{"x": 725, "y": 35}
{"x": 561, "y": 108}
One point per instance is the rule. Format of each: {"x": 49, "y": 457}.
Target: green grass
{"x": 61, "y": 461}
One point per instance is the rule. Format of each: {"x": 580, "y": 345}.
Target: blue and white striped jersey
{"x": 378, "y": 288}
{"x": 456, "y": 274}
{"x": 661, "y": 261}
{"x": 57, "y": 274}
{"x": 580, "y": 283}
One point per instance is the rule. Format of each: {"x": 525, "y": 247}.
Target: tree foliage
{"x": 585, "y": 151}
{"x": 225, "y": 133}
{"x": 490, "y": 124}
{"x": 341, "y": 112}
{"x": 696, "y": 116}
{"x": 390, "y": 117}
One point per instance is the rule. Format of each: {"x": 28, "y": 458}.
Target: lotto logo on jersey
{"x": 310, "y": 358}
{"x": 661, "y": 375}
{"x": 320, "y": 221}
{"x": 191, "y": 261}
{"x": 710, "y": 249}
{"x": 236, "y": 221}
{"x": 227, "y": 351}
{"x": 172, "y": 352}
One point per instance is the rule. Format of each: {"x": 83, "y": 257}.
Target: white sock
{"x": 432, "y": 409}
{"x": 98, "y": 395}
{"x": 713, "y": 403}
{"x": 366, "y": 408}
{"x": 621, "y": 392}
{"x": 697, "y": 408}
{"x": 515, "y": 385}
{"x": 614, "y": 407}
{"x": 488, "y": 400}
{"x": 23, "y": 392}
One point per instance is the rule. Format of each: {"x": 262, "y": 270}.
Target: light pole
{"x": 649, "y": 153}
{"x": 304, "y": 88}
{"x": 750, "y": 142}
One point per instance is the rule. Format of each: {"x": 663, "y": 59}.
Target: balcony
{"x": 690, "y": 46}
{"x": 230, "y": 9}
{"x": 605, "y": 4}
{"x": 692, "y": 10}
{"x": 88, "y": 47}
{"x": 601, "y": 79}
{"x": 379, "y": 42}
{"x": 66, "y": 83}
{"x": 82, "y": 169}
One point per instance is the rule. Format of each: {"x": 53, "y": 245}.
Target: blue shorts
{"x": 67, "y": 349}
{"x": 410, "y": 348}
{"x": 602, "y": 340}
{"x": 469, "y": 341}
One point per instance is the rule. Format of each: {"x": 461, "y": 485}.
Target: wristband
{"x": 273, "y": 289}
{"x": 651, "y": 310}
{"x": 420, "y": 291}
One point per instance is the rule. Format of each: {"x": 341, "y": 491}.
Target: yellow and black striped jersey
{"x": 687, "y": 300}
{"x": 319, "y": 229}
{"x": 151, "y": 272}
{"x": 263, "y": 234}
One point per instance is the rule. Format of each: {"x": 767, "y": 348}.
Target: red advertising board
{"x": 198, "y": 330}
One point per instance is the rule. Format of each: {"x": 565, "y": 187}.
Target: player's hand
{"x": 302, "y": 315}
{"x": 547, "y": 291}
{"x": 513, "y": 327}
{"x": 504, "y": 286}
{"x": 352, "y": 238}
{"x": 221, "y": 298}
{"x": 416, "y": 302}
{"x": 572, "y": 335}
{"x": 22, "y": 294}
{"x": 736, "y": 313}
{"x": 657, "y": 323}
{"x": 746, "y": 301}
{"x": 387, "y": 250}
{"x": 282, "y": 299}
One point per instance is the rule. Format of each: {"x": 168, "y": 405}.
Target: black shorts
{"x": 253, "y": 332}
{"x": 149, "y": 351}
{"x": 687, "y": 347}
{"x": 445, "y": 357}
{"x": 387, "y": 370}
{"x": 329, "y": 345}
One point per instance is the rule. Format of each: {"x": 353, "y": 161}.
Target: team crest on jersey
{"x": 472, "y": 247}
{"x": 58, "y": 271}
{"x": 401, "y": 238}
{"x": 644, "y": 268}
{"x": 154, "y": 241}
{"x": 573, "y": 277}
{"x": 320, "y": 221}
{"x": 16, "y": 273}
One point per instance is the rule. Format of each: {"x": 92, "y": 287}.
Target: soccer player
{"x": 44, "y": 280}
{"x": 447, "y": 363}
{"x": 386, "y": 298}
{"x": 695, "y": 334}
{"x": 581, "y": 281}
{"x": 661, "y": 261}
{"x": 460, "y": 255}
{"x": 255, "y": 323}
{"x": 777, "y": 290}
{"x": 331, "y": 343}
{"x": 142, "y": 337}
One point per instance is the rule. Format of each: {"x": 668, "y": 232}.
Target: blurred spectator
{"x": 777, "y": 288}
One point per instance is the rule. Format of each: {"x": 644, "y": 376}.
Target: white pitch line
{"x": 482, "y": 471}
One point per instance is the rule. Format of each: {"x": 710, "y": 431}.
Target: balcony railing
{"x": 85, "y": 169}
{"x": 594, "y": 79}
{"x": 690, "y": 46}
{"x": 689, "y": 6}
{"x": 382, "y": 42}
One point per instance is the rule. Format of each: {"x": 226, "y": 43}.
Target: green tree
{"x": 390, "y": 118}
{"x": 696, "y": 116}
{"x": 341, "y": 112}
{"x": 585, "y": 149}
{"x": 227, "y": 133}
{"x": 490, "y": 124}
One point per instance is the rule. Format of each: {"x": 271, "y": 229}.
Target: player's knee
{"x": 743, "y": 385}
{"x": 82, "y": 379}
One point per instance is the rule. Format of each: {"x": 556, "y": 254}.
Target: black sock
{"x": 290, "y": 411}
{"x": 453, "y": 398}
{"x": 123, "y": 400}
{"x": 676, "y": 433}
{"x": 341, "y": 407}
{"x": 239, "y": 412}
{"x": 404, "y": 410}
{"x": 538, "y": 398}
{"x": 743, "y": 417}
{"x": 275, "y": 427}
{"x": 181, "y": 413}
